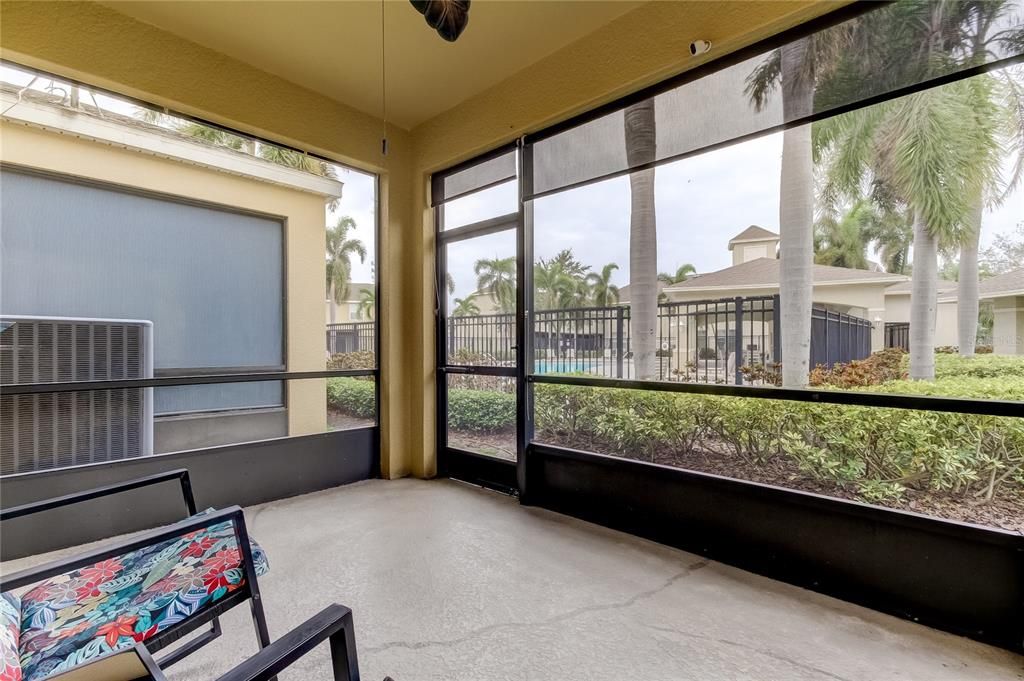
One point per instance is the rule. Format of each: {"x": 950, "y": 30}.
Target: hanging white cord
{"x": 383, "y": 84}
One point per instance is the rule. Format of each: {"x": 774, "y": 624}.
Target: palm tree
{"x": 560, "y": 282}
{"x": 367, "y": 303}
{"x": 933, "y": 150}
{"x": 497, "y": 276}
{"x": 340, "y": 249}
{"x": 890, "y": 228}
{"x": 465, "y": 307}
{"x": 842, "y": 242}
{"x": 999, "y": 110}
{"x": 683, "y": 273}
{"x": 793, "y": 69}
{"x": 603, "y": 292}
{"x": 641, "y": 148}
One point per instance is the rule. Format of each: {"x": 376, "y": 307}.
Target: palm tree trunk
{"x": 796, "y": 219}
{"x": 923, "y": 294}
{"x": 643, "y": 240}
{"x": 967, "y": 282}
{"x": 333, "y": 305}
{"x": 643, "y": 281}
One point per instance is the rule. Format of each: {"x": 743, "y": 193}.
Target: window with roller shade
{"x": 139, "y": 245}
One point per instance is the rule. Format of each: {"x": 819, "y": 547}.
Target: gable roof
{"x": 764, "y": 273}
{"x": 1009, "y": 284}
{"x": 753, "y": 233}
{"x": 945, "y": 288}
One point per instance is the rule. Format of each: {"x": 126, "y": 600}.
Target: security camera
{"x": 699, "y": 47}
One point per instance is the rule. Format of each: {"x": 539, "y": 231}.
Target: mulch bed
{"x": 336, "y": 420}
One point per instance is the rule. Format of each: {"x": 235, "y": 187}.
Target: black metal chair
{"x": 333, "y": 624}
{"x": 227, "y": 571}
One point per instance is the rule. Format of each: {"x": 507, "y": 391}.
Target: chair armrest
{"x": 38, "y": 573}
{"x": 333, "y": 622}
{"x": 180, "y": 474}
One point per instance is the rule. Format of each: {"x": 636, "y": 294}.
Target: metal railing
{"x": 702, "y": 341}
{"x": 837, "y": 337}
{"x": 897, "y": 335}
{"x": 350, "y": 337}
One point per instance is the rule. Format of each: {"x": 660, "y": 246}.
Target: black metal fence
{"x": 350, "y": 337}
{"x": 897, "y": 335}
{"x": 482, "y": 339}
{"x": 838, "y": 337}
{"x": 703, "y": 341}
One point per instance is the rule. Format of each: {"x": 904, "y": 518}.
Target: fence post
{"x": 738, "y": 353}
{"x": 619, "y": 346}
{"x": 451, "y": 338}
{"x": 776, "y": 331}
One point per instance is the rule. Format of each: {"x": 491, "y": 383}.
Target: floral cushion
{"x": 10, "y": 630}
{"x": 117, "y": 602}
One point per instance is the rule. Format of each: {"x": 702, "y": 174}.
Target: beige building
{"x": 897, "y": 310}
{"x": 755, "y": 272}
{"x": 352, "y": 308}
{"x": 122, "y": 156}
{"x": 1006, "y": 294}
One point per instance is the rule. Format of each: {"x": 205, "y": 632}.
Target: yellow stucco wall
{"x": 102, "y": 47}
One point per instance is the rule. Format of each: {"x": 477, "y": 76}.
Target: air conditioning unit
{"x": 54, "y": 430}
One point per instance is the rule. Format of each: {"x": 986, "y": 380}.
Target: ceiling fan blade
{"x": 448, "y": 17}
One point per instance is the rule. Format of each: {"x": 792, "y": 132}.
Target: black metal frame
{"x": 808, "y": 28}
{"x": 249, "y": 591}
{"x": 464, "y": 465}
{"x": 333, "y": 624}
{"x": 687, "y": 510}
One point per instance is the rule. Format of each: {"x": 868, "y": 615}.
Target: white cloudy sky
{"x": 701, "y": 203}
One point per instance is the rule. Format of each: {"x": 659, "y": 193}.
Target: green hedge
{"x": 875, "y": 452}
{"x": 979, "y": 366}
{"x": 481, "y": 410}
{"x": 352, "y": 396}
{"x": 473, "y": 410}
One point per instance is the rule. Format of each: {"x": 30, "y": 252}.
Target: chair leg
{"x": 343, "y": 652}
{"x": 259, "y": 620}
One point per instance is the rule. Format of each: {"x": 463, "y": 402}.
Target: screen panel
{"x": 853, "y": 63}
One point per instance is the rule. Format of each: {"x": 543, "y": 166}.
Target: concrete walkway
{"x": 449, "y": 583}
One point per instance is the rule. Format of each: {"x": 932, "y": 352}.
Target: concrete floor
{"x": 449, "y": 582}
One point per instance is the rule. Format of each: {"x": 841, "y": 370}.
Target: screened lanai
{"x": 457, "y": 340}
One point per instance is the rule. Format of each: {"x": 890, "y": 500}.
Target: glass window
{"x": 481, "y": 300}
{"x": 971, "y": 471}
{"x": 482, "y": 415}
{"x": 482, "y": 205}
{"x": 146, "y": 245}
{"x": 878, "y": 250}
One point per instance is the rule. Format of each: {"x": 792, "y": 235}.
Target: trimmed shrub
{"x": 877, "y": 453}
{"x": 988, "y": 366}
{"x": 351, "y": 396}
{"x": 879, "y": 367}
{"x": 481, "y": 410}
{"x": 363, "y": 359}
